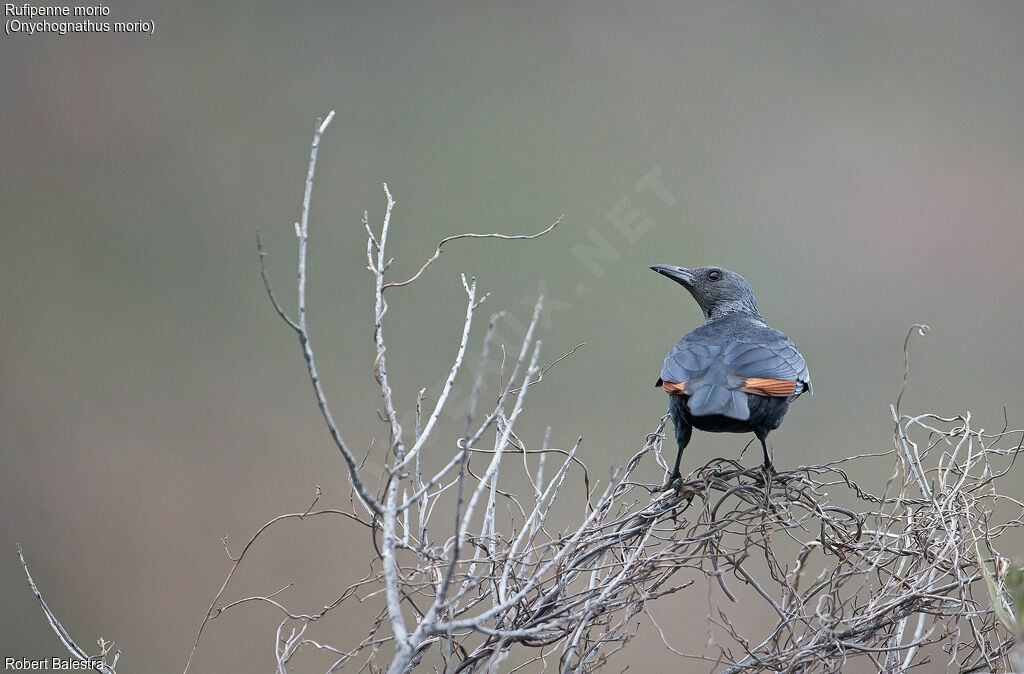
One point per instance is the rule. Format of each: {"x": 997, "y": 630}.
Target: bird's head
{"x": 718, "y": 291}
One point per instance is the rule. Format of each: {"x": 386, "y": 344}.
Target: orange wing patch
{"x": 674, "y": 387}
{"x": 773, "y": 388}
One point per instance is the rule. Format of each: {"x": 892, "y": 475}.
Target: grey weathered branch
{"x": 301, "y": 326}
{"x": 97, "y": 662}
{"x": 437, "y": 252}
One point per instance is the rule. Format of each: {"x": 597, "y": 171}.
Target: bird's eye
{"x": 714, "y": 275}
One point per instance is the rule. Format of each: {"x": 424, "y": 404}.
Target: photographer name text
{"x": 54, "y": 664}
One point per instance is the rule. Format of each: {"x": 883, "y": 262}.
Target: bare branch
{"x": 437, "y": 253}
{"x": 301, "y": 327}
{"x": 97, "y": 662}
{"x": 214, "y": 611}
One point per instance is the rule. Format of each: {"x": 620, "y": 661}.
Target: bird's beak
{"x": 680, "y": 275}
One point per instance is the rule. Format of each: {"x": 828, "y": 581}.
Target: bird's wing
{"x": 770, "y": 367}
{"x": 766, "y": 363}
{"x": 689, "y": 360}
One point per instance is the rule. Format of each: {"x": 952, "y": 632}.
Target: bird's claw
{"x": 673, "y": 484}
{"x": 768, "y": 473}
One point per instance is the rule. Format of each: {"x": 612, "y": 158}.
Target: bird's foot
{"x": 675, "y": 481}
{"x": 768, "y": 472}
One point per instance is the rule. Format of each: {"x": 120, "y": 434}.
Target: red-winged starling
{"x": 734, "y": 374}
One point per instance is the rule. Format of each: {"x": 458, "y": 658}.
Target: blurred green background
{"x": 860, "y": 163}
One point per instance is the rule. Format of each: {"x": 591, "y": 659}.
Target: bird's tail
{"x": 711, "y": 399}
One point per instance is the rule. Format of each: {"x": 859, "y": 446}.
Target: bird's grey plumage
{"x": 717, "y": 358}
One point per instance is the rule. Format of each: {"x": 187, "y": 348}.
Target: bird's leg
{"x": 683, "y": 432}
{"x": 768, "y": 468}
